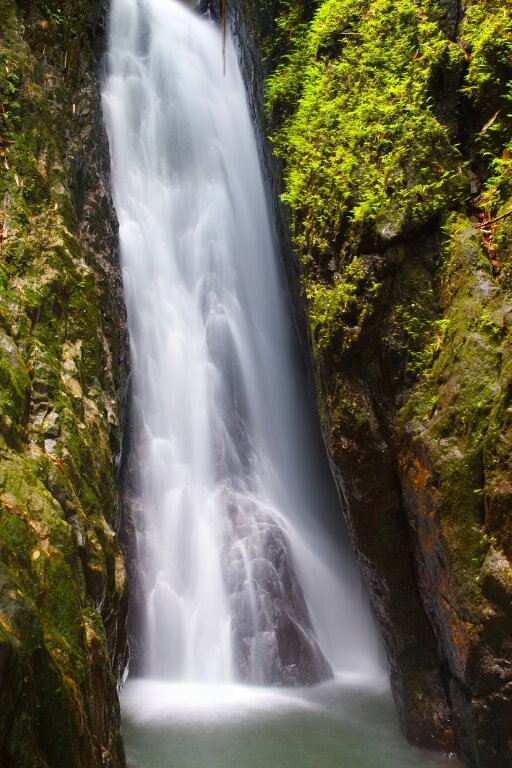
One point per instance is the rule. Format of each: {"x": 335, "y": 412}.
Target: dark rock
{"x": 273, "y": 638}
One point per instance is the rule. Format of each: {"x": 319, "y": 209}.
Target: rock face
{"x": 392, "y": 122}
{"x": 454, "y": 467}
{"x": 62, "y": 346}
{"x": 273, "y": 639}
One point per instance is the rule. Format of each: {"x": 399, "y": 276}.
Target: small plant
{"x": 493, "y": 330}
{"x": 487, "y": 34}
{"x": 54, "y": 15}
{"x": 328, "y": 304}
{"x": 10, "y": 107}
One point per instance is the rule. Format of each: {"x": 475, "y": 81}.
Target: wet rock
{"x": 273, "y": 638}
{"x": 62, "y": 594}
{"x": 414, "y": 404}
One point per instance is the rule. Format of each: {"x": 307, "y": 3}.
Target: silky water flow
{"x": 246, "y": 575}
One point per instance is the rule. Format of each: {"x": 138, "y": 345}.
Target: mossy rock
{"x": 63, "y": 593}
{"x": 393, "y": 124}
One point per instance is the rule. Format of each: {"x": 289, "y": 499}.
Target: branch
{"x": 493, "y": 221}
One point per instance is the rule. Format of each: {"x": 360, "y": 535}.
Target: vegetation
{"x": 338, "y": 308}
{"x": 58, "y": 555}
{"x": 371, "y": 141}
{"x": 393, "y": 123}
{"x": 366, "y": 156}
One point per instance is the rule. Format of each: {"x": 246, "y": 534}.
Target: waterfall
{"x": 241, "y": 580}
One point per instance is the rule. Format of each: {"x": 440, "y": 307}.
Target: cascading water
{"x": 229, "y": 485}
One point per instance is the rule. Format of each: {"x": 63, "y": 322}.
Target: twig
{"x": 497, "y": 218}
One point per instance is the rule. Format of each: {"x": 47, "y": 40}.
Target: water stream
{"x": 247, "y": 578}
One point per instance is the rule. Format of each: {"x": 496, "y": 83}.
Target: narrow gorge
{"x": 166, "y": 504}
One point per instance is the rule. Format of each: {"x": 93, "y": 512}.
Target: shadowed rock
{"x": 273, "y": 638}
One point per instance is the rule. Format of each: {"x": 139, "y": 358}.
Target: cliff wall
{"x": 391, "y": 122}
{"x": 62, "y": 368}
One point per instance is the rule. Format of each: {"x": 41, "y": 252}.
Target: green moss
{"x": 54, "y": 724}
{"x": 349, "y": 407}
{"x": 486, "y": 32}
{"x": 458, "y": 404}
{"x": 63, "y": 604}
{"x": 56, "y": 482}
{"x": 365, "y": 154}
{"x": 339, "y": 307}
{"x": 25, "y": 752}
{"x": 14, "y": 389}
{"x": 412, "y": 324}
{"x": 15, "y": 535}
{"x": 83, "y": 322}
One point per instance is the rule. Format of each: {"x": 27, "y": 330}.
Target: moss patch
{"x": 366, "y": 157}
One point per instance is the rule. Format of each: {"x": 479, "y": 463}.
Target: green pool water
{"x": 347, "y": 723}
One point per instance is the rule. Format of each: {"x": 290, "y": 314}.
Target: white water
{"x": 228, "y": 461}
